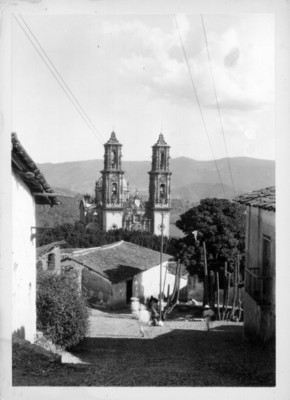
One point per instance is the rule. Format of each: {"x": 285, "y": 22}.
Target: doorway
{"x": 129, "y": 291}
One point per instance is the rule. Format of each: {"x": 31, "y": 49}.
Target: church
{"x": 115, "y": 207}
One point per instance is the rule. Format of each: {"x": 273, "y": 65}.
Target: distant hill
{"x": 191, "y": 180}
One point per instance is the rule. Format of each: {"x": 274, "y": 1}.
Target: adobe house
{"x": 29, "y": 187}
{"x": 48, "y": 256}
{"x": 114, "y": 273}
{"x": 259, "y": 303}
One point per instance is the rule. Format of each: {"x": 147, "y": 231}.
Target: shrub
{"x": 62, "y": 313}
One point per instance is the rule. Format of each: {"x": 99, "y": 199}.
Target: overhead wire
{"x": 217, "y": 103}
{"x": 199, "y": 106}
{"x": 59, "y": 79}
{"x": 64, "y": 85}
{"x": 4, "y": 5}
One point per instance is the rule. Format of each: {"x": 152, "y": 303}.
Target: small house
{"x": 48, "y": 256}
{"x": 259, "y": 304}
{"x": 114, "y": 273}
{"x": 29, "y": 187}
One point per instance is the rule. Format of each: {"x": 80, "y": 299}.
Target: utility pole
{"x": 161, "y": 227}
{"x": 205, "y": 294}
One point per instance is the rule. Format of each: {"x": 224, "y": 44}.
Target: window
{"x": 266, "y": 268}
{"x": 162, "y": 193}
{"x": 162, "y": 162}
{"x": 51, "y": 262}
{"x": 259, "y": 280}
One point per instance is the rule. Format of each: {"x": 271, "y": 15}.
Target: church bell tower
{"x": 160, "y": 187}
{"x": 112, "y": 185}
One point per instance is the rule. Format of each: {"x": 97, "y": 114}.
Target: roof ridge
{"x": 111, "y": 245}
{"x": 88, "y": 250}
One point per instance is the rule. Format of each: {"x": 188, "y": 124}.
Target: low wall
{"x": 97, "y": 288}
{"x": 259, "y": 321}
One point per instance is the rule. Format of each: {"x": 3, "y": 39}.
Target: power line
{"x": 59, "y": 79}
{"x": 59, "y": 75}
{"x": 217, "y": 103}
{"x": 63, "y": 84}
{"x": 199, "y": 106}
{"x": 4, "y": 5}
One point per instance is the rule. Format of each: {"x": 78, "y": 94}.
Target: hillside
{"x": 191, "y": 180}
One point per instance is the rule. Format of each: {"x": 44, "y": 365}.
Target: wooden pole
{"x": 160, "y": 283}
{"x": 225, "y": 286}
{"x": 238, "y": 288}
{"x": 211, "y": 290}
{"x": 166, "y": 267}
{"x": 218, "y": 294}
{"x": 205, "y": 282}
{"x": 235, "y": 289}
{"x": 228, "y": 282}
{"x": 178, "y": 279}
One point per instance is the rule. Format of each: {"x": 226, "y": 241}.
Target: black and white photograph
{"x": 143, "y": 187}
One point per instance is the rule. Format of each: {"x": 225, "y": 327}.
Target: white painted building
{"x": 114, "y": 273}
{"x": 29, "y": 187}
{"x": 114, "y": 207}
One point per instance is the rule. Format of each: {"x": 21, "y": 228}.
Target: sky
{"x": 211, "y": 91}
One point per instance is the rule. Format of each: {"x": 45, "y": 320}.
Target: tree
{"x": 221, "y": 224}
{"x": 76, "y": 236}
{"x": 186, "y": 252}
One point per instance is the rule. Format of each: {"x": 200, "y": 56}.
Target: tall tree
{"x": 221, "y": 224}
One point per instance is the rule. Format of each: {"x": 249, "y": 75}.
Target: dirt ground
{"x": 180, "y": 353}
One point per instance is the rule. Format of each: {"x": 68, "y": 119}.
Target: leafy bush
{"x": 62, "y": 314}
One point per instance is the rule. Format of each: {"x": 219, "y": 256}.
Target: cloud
{"x": 138, "y": 79}
{"x": 241, "y": 104}
{"x": 152, "y": 58}
{"x": 231, "y": 59}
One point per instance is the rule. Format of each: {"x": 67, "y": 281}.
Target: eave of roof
{"x": 263, "y": 198}
{"x": 26, "y": 169}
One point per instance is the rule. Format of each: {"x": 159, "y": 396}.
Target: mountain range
{"x": 191, "y": 180}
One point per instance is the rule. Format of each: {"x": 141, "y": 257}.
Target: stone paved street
{"x": 181, "y": 353}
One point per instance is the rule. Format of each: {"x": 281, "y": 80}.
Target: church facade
{"x": 114, "y": 206}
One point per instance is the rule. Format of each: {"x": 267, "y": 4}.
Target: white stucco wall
{"x": 157, "y": 216}
{"x": 23, "y": 261}
{"x": 146, "y": 283}
{"x": 111, "y": 218}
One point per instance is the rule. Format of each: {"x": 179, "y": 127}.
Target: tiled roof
{"x": 264, "y": 198}
{"x": 47, "y": 247}
{"x": 118, "y": 261}
{"x": 25, "y": 167}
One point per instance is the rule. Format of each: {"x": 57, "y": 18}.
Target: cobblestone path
{"x": 181, "y": 353}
